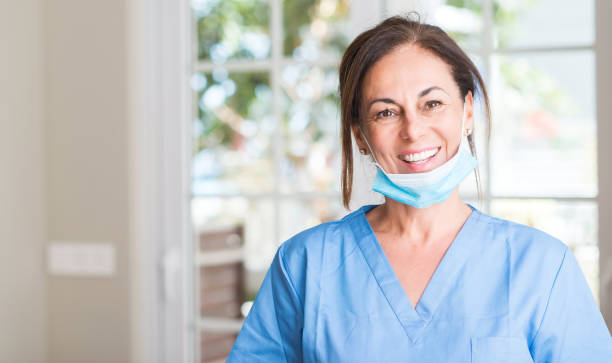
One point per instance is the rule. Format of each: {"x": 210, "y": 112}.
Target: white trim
{"x": 336, "y": 196}
{"x": 218, "y": 258}
{"x": 568, "y": 48}
{"x": 271, "y": 195}
{"x": 306, "y": 196}
{"x": 195, "y": 276}
{"x": 487, "y": 48}
{"x": 543, "y": 197}
{"x": 276, "y": 27}
{"x": 159, "y": 113}
{"x": 603, "y": 60}
{"x": 234, "y": 66}
{"x": 220, "y": 325}
{"x": 262, "y": 65}
{"x": 144, "y": 286}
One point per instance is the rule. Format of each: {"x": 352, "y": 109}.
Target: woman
{"x": 423, "y": 277}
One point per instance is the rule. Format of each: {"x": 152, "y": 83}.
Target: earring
{"x": 468, "y": 132}
{"x": 362, "y": 151}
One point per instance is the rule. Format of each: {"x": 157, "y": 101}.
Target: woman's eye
{"x": 432, "y": 104}
{"x": 384, "y": 114}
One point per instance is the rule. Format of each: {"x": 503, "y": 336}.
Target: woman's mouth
{"x": 421, "y": 157}
{"x": 420, "y": 161}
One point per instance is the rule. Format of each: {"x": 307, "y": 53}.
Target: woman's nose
{"x": 411, "y": 128}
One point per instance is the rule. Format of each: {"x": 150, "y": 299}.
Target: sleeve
{"x": 572, "y": 328}
{"x": 273, "y": 329}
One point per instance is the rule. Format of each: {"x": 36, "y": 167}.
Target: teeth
{"x": 420, "y": 156}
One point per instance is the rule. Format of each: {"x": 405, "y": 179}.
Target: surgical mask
{"x": 421, "y": 190}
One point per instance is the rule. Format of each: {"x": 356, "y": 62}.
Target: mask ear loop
{"x": 370, "y": 149}
{"x": 464, "y": 132}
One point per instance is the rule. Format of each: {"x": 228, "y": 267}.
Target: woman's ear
{"x": 359, "y": 140}
{"x": 469, "y": 111}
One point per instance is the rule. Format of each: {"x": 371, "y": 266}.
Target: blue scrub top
{"x": 503, "y": 292}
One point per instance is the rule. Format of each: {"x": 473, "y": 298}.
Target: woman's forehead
{"x": 408, "y": 68}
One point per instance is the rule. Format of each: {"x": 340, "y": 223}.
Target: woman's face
{"x": 411, "y": 111}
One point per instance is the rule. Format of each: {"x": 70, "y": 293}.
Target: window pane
{"x": 543, "y": 135}
{"x": 311, "y": 124}
{"x": 574, "y": 223}
{"x": 233, "y": 236}
{"x": 232, "y": 29}
{"x": 461, "y": 19}
{"x": 255, "y": 221}
{"x": 543, "y": 23}
{"x": 298, "y": 215}
{"x": 315, "y": 28}
{"x": 233, "y": 133}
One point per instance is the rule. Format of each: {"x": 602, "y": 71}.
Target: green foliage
{"x": 298, "y": 16}
{"x": 474, "y": 5}
{"x": 506, "y": 17}
{"x": 535, "y": 85}
{"x": 216, "y": 131}
{"x": 227, "y": 20}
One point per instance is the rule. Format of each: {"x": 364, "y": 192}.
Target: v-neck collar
{"x": 414, "y": 320}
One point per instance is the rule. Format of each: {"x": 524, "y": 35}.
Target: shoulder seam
{"x": 289, "y": 278}
{"x": 290, "y": 281}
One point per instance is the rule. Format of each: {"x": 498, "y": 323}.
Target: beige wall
{"x": 87, "y": 163}
{"x": 22, "y": 229}
{"x": 63, "y": 154}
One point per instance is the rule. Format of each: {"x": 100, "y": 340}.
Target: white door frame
{"x": 158, "y": 61}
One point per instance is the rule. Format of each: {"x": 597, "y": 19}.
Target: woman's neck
{"x": 420, "y": 225}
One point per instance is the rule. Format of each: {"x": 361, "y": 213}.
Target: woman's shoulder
{"x": 522, "y": 240}
{"x": 326, "y": 239}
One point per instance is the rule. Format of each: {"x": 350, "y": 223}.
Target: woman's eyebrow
{"x": 421, "y": 94}
{"x": 384, "y": 100}
{"x": 432, "y": 88}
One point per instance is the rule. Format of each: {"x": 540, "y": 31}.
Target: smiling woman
{"x": 416, "y": 125}
{"x": 424, "y": 276}
{"x": 447, "y": 78}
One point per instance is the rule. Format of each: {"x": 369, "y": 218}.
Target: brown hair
{"x": 369, "y": 47}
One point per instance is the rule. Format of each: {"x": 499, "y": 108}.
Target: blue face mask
{"x": 421, "y": 190}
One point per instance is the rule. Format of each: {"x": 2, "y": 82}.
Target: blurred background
{"x": 155, "y": 154}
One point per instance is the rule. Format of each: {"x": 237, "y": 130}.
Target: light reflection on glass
{"x": 528, "y": 23}
{"x": 311, "y": 124}
{"x": 462, "y": 20}
{"x": 234, "y": 132}
{"x": 543, "y": 136}
{"x": 315, "y": 28}
{"x": 232, "y": 29}
{"x": 197, "y": 82}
